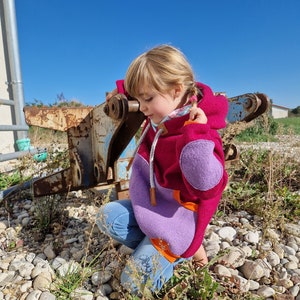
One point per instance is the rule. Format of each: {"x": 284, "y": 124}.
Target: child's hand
{"x": 198, "y": 115}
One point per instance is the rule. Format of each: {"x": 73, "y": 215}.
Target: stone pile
{"x": 265, "y": 264}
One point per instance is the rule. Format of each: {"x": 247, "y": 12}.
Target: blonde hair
{"x": 161, "y": 68}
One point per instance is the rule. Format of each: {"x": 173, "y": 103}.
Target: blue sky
{"x": 80, "y": 47}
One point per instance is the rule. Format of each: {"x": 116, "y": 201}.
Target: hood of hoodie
{"x": 214, "y": 106}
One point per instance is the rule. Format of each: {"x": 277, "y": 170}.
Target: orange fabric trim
{"x": 189, "y": 122}
{"x": 163, "y": 248}
{"x": 188, "y": 205}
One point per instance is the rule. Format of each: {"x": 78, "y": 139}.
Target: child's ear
{"x": 178, "y": 90}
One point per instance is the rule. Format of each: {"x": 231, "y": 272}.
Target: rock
{"x": 222, "y": 271}
{"x": 81, "y": 294}
{"x": 212, "y": 248}
{"x": 273, "y": 258}
{"x": 292, "y": 229}
{"x": 227, "y": 233}
{"x": 101, "y": 277}
{"x": 42, "y": 281}
{"x": 48, "y": 251}
{"x": 32, "y": 268}
{"x": 265, "y": 292}
{"x": 47, "y": 296}
{"x": 235, "y": 258}
{"x": 252, "y": 237}
{"x": 252, "y": 270}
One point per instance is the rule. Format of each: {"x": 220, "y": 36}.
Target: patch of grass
{"x": 264, "y": 183}
{"x": 289, "y": 125}
{"x": 190, "y": 283}
{"x": 8, "y": 180}
{"x": 261, "y": 129}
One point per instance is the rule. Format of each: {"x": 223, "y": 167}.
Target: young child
{"x": 178, "y": 173}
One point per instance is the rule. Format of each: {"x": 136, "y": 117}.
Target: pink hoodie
{"x": 188, "y": 175}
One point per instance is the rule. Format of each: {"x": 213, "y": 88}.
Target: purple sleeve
{"x": 201, "y": 168}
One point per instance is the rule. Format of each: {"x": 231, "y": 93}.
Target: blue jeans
{"x": 146, "y": 265}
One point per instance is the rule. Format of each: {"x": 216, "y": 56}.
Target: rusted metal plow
{"x": 101, "y": 139}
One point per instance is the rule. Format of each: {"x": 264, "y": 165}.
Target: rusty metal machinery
{"x": 96, "y": 139}
{"x": 101, "y": 139}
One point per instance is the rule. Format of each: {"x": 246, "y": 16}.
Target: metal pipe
{"x": 15, "y": 155}
{"x": 7, "y": 102}
{"x": 13, "y": 128}
{"x": 14, "y": 63}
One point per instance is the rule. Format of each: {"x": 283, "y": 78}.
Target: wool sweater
{"x": 189, "y": 178}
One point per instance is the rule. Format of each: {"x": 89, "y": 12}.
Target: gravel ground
{"x": 30, "y": 261}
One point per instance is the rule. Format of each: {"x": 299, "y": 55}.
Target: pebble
{"x": 264, "y": 268}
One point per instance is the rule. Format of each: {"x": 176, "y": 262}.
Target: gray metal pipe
{"x": 7, "y": 102}
{"x": 13, "y": 128}
{"x": 14, "y": 63}
{"x": 18, "y": 154}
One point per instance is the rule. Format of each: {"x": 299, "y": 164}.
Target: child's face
{"x": 156, "y": 106}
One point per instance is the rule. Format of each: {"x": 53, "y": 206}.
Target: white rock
{"x": 252, "y": 270}
{"x": 222, "y": 271}
{"x": 278, "y": 249}
{"x": 252, "y": 237}
{"x": 293, "y": 229}
{"x": 42, "y": 281}
{"x": 254, "y": 285}
{"x": 242, "y": 283}
{"x": 34, "y": 295}
{"x": 227, "y": 233}
{"x": 288, "y": 250}
{"x": 224, "y": 245}
{"x": 68, "y": 268}
{"x": 30, "y": 257}
{"x": 235, "y": 258}
{"x": 212, "y": 248}
{"x": 294, "y": 290}
{"x": 293, "y": 245}
{"x": 26, "y": 286}
{"x": 273, "y": 258}
{"x": 47, "y": 296}
{"x": 291, "y": 265}
{"x": 247, "y": 251}
{"x": 58, "y": 262}
{"x": 81, "y": 294}
{"x": 212, "y": 236}
{"x": 265, "y": 292}
{"x": 23, "y": 267}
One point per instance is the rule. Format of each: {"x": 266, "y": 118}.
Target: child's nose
{"x": 143, "y": 107}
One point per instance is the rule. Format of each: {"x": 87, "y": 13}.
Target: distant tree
{"x": 296, "y": 111}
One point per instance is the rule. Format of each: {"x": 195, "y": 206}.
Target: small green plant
{"x": 190, "y": 283}
{"x": 65, "y": 285}
{"x": 8, "y": 180}
{"x": 47, "y": 210}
